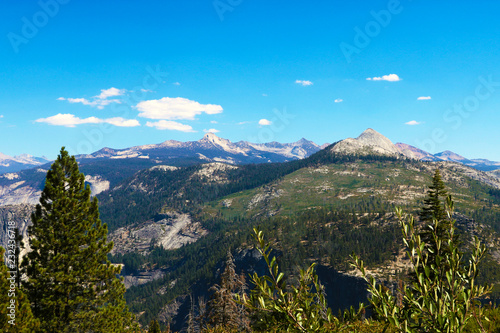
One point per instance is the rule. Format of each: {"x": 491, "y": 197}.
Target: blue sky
{"x": 92, "y": 74}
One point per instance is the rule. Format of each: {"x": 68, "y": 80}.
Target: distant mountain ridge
{"x": 212, "y": 148}
{"x": 447, "y": 155}
{"x": 20, "y": 162}
{"x": 215, "y": 149}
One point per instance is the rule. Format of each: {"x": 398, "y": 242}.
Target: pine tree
{"x": 433, "y": 205}
{"x": 433, "y": 216}
{"x": 17, "y": 317}
{"x": 71, "y": 285}
{"x": 154, "y": 327}
{"x": 223, "y": 310}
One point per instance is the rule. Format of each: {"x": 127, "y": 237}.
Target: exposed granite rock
{"x": 171, "y": 231}
{"x": 369, "y": 142}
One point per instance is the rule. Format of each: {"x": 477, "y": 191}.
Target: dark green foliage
{"x": 179, "y": 190}
{"x": 433, "y": 205}
{"x": 154, "y": 327}
{"x": 71, "y": 284}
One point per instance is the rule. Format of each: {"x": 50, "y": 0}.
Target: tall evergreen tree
{"x": 435, "y": 221}
{"x": 434, "y": 207}
{"x": 71, "y": 285}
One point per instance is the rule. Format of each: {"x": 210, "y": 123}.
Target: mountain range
{"x": 107, "y": 167}
{"x": 212, "y": 148}
{"x": 20, "y": 162}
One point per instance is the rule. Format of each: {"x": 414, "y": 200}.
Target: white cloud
{"x": 111, "y": 92}
{"x": 304, "y": 82}
{"x": 1, "y": 115}
{"x": 169, "y": 108}
{"x": 170, "y": 125}
{"x": 212, "y": 130}
{"x": 120, "y": 122}
{"x": 176, "y": 83}
{"x": 99, "y": 101}
{"x": 413, "y": 123}
{"x": 243, "y": 122}
{"x": 70, "y": 120}
{"x": 213, "y": 122}
{"x": 423, "y": 98}
{"x": 265, "y": 95}
{"x": 339, "y": 100}
{"x": 390, "y": 77}
{"x": 146, "y": 90}
{"x": 265, "y": 122}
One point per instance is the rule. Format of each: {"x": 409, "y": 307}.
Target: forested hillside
{"x": 320, "y": 209}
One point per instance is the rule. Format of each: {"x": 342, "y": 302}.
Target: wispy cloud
{"x": 213, "y": 121}
{"x": 99, "y": 101}
{"x": 244, "y": 122}
{"x": 339, "y": 100}
{"x": 111, "y": 92}
{"x": 413, "y": 123}
{"x": 390, "y": 77}
{"x": 1, "y": 115}
{"x": 304, "y": 82}
{"x": 265, "y": 95}
{"x": 169, "y": 108}
{"x": 176, "y": 83}
{"x": 70, "y": 120}
{"x": 265, "y": 122}
{"x": 424, "y": 98}
{"x": 212, "y": 130}
{"x": 170, "y": 125}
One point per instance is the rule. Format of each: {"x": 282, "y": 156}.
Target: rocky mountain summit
{"x": 368, "y": 142}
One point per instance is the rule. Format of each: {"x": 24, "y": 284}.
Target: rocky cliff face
{"x": 20, "y": 215}
{"x": 171, "y": 230}
{"x": 495, "y": 173}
